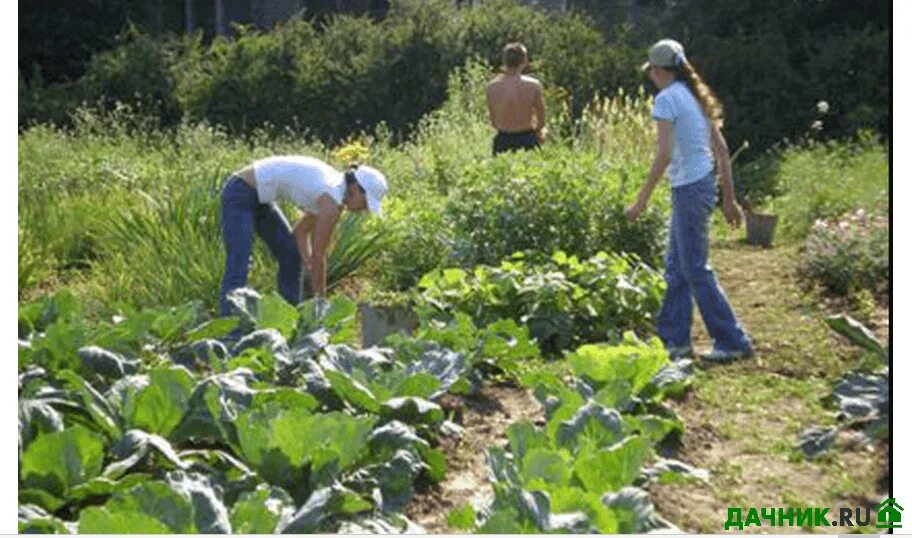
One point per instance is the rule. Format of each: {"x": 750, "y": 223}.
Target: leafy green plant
{"x": 290, "y": 415}
{"x": 563, "y": 301}
{"x": 555, "y": 478}
{"x": 555, "y": 199}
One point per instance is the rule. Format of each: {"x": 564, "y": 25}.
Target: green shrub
{"x": 565, "y": 302}
{"x": 850, "y": 255}
{"x": 555, "y": 199}
{"x": 826, "y": 180}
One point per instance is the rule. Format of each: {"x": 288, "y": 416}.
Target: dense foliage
{"x": 576, "y": 473}
{"x": 564, "y": 301}
{"x": 156, "y": 422}
{"x": 328, "y": 78}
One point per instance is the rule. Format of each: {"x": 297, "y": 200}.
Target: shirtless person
{"x": 516, "y": 105}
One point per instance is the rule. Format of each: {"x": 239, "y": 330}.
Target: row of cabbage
{"x": 270, "y": 421}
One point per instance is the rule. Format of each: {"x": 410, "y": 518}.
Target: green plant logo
{"x": 889, "y": 515}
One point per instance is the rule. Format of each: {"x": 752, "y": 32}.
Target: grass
{"x": 824, "y": 180}
{"x": 100, "y": 201}
{"x": 755, "y": 410}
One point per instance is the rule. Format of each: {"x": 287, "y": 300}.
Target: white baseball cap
{"x": 374, "y": 184}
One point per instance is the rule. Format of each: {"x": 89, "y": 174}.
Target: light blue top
{"x": 691, "y": 156}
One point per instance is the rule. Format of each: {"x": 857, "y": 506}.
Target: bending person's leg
{"x": 239, "y": 206}
{"x": 275, "y": 231}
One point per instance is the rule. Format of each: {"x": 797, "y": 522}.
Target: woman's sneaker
{"x": 680, "y": 352}
{"x": 727, "y": 356}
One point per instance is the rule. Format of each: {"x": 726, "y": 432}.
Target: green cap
{"x": 665, "y": 53}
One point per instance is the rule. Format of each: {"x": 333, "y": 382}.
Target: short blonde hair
{"x": 514, "y": 54}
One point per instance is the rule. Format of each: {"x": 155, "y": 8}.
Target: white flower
{"x": 817, "y": 125}
{"x": 823, "y": 107}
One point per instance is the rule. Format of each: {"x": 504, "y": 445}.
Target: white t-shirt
{"x": 692, "y": 157}
{"x": 298, "y": 179}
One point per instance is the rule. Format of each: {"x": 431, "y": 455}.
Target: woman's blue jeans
{"x": 689, "y": 277}
{"x": 242, "y": 215}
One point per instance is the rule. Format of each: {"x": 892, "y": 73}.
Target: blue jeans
{"x": 689, "y": 276}
{"x": 242, "y": 215}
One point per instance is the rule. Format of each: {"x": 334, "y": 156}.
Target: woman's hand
{"x": 732, "y": 212}
{"x": 307, "y": 263}
{"x": 634, "y": 210}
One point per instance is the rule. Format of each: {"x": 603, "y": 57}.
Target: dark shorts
{"x": 504, "y": 142}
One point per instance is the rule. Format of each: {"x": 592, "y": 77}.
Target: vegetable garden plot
{"x": 156, "y": 423}
{"x": 287, "y": 430}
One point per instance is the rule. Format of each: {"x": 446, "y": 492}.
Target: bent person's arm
{"x": 723, "y": 160}
{"x": 302, "y": 232}
{"x": 324, "y": 224}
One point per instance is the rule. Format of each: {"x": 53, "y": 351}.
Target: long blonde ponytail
{"x": 711, "y": 105}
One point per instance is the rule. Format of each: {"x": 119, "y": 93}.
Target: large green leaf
{"x": 422, "y": 385}
{"x": 106, "y": 363}
{"x": 524, "y": 437}
{"x": 274, "y": 312}
{"x": 337, "y": 315}
{"x": 103, "y": 486}
{"x": 280, "y": 441}
{"x": 613, "y": 468}
{"x": 159, "y": 407}
{"x": 209, "y": 513}
{"x": 543, "y": 468}
{"x": 507, "y": 521}
{"x": 436, "y": 463}
{"x": 462, "y": 518}
{"x": 151, "y": 507}
{"x": 592, "y": 427}
{"x": 618, "y": 372}
{"x": 40, "y": 497}
{"x": 857, "y": 333}
{"x": 98, "y": 520}
{"x": 654, "y": 427}
{"x": 214, "y": 328}
{"x": 322, "y": 438}
{"x": 260, "y": 511}
{"x": 412, "y": 410}
{"x": 352, "y": 392}
{"x": 213, "y": 408}
{"x": 96, "y": 410}
{"x": 569, "y": 499}
{"x": 59, "y": 461}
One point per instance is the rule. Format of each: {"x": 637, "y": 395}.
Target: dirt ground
{"x": 743, "y": 420}
{"x": 485, "y": 418}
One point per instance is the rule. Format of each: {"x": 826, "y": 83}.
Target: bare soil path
{"x": 485, "y": 418}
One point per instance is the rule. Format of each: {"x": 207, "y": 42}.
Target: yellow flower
{"x": 353, "y": 152}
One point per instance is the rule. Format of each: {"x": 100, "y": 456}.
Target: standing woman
{"x": 316, "y": 188}
{"x": 688, "y": 119}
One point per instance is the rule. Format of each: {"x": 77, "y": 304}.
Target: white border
{"x": 902, "y": 289}
{"x": 9, "y": 456}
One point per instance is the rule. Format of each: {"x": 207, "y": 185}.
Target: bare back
{"x": 515, "y": 103}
